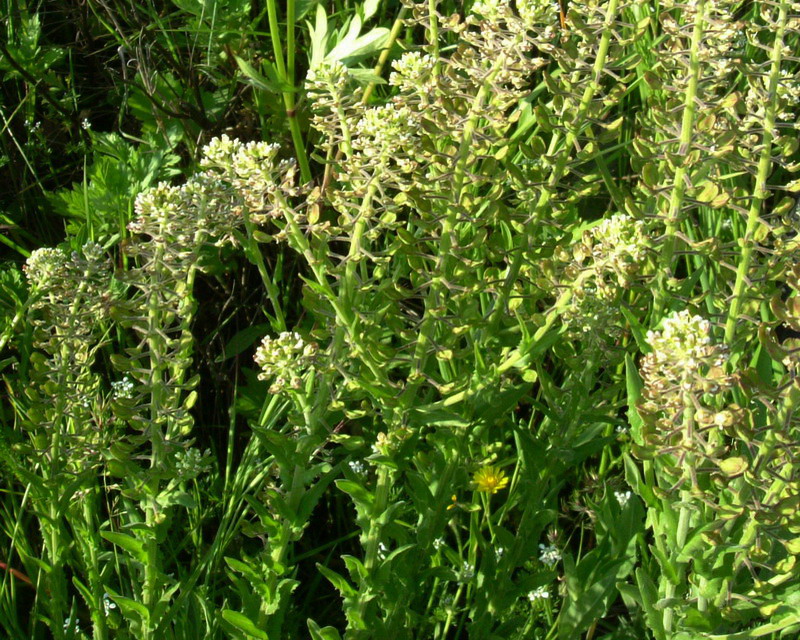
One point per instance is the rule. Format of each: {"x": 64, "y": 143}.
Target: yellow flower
{"x": 489, "y": 480}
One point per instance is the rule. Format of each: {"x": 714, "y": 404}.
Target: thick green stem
{"x": 674, "y": 219}
{"x": 374, "y": 534}
{"x": 685, "y": 514}
{"x": 254, "y": 253}
{"x": 378, "y": 69}
{"x": 562, "y": 162}
{"x": 760, "y": 193}
{"x": 100, "y": 628}
{"x": 433, "y": 36}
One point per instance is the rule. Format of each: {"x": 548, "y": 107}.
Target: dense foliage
{"x": 396, "y": 319}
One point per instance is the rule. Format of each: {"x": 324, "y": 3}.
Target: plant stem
{"x": 760, "y": 193}
{"x": 374, "y": 535}
{"x": 285, "y": 71}
{"x": 674, "y": 219}
{"x": 563, "y": 158}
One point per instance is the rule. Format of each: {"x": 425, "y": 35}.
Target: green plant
{"x": 456, "y": 269}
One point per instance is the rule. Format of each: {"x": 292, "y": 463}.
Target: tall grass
{"x": 489, "y": 332}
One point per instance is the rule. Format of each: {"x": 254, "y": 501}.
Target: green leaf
{"x": 324, "y": 633}
{"x": 256, "y": 80}
{"x": 648, "y": 595}
{"x": 131, "y": 609}
{"x": 243, "y": 624}
{"x": 319, "y": 37}
{"x": 130, "y": 544}
{"x": 311, "y": 496}
{"x": 337, "y": 581}
{"x": 590, "y": 587}
{"x": 243, "y": 340}
{"x": 358, "y": 46}
{"x": 633, "y": 384}
{"x": 668, "y": 567}
{"x": 760, "y": 632}
{"x": 638, "y": 331}
{"x": 363, "y": 498}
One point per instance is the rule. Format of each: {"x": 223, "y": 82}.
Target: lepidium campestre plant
{"x": 421, "y": 297}
{"x": 454, "y": 297}
{"x": 63, "y": 413}
{"x": 717, "y": 490}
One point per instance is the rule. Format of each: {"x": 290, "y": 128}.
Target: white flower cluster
{"x": 46, "y": 265}
{"x": 539, "y": 593}
{"x": 285, "y": 359}
{"x": 387, "y": 132}
{"x": 203, "y": 209}
{"x": 123, "y": 388}
{"x": 549, "y": 555}
{"x": 619, "y": 243}
{"x": 684, "y": 343}
{"x": 411, "y": 71}
{"x": 607, "y": 260}
{"x": 209, "y": 206}
{"x": 66, "y": 277}
{"x": 327, "y": 75}
{"x": 684, "y": 361}
{"x": 261, "y": 180}
{"x": 492, "y": 10}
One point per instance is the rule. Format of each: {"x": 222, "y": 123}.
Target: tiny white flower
{"x": 622, "y": 497}
{"x": 108, "y": 604}
{"x": 539, "y": 593}
{"x": 549, "y": 555}
{"x": 356, "y": 466}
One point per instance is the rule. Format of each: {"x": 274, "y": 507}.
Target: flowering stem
{"x": 563, "y": 158}
{"x": 684, "y": 516}
{"x": 760, "y": 193}
{"x": 344, "y": 314}
{"x": 100, "y": 629}
{"x": 252, "y": 250}
{"x": 681, "y": 172}
{"x": 434, "y": 300}
{"x": 433, "y": 37}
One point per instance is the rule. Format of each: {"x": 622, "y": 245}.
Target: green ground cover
{"x": 385, "y": 319}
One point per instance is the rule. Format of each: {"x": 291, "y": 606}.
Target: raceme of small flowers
{"x": 284, "y": 360}
{"x": 686, "y": 372}
{"x": 69, "y": 280}
{"x": 72, "y": 292}
{"x": 683, "y": 360}
{"x": 609, "y": 259}
{"x": 179, "y": 219}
